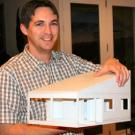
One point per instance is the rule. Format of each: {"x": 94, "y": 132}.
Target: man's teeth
{"x": 47, "y": 39}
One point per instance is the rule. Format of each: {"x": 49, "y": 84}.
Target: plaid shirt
{"x": 23, "y": 73}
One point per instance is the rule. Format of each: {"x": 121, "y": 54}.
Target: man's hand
{"x": 25, "y": 129}
{"x": 113, "y": 65}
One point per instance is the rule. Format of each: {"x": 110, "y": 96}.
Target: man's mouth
{"x": 46, "y": 38}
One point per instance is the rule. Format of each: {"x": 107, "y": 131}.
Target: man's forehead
{"x": 42, "y": 19}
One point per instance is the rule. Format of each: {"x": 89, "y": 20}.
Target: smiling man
{"x": 42, "y": 33}
{"x": 38, "y": 65}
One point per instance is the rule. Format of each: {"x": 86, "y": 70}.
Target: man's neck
{"x": 44, "y": 56}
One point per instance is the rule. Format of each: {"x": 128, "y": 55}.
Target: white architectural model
{"x": 83, "y": 100}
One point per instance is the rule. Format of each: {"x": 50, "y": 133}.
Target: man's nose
{"x": 47, "y": 29}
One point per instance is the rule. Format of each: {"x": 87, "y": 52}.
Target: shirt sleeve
{"x": 9, "y": 98}
{"x": 83, "y": 65}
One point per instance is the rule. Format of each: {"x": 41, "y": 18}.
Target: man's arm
{"x": 24, "y": 129}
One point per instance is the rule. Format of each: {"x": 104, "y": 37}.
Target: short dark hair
{"x": 28, "y": 9}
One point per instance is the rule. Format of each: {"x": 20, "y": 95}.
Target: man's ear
{"x": 23, "y": 29}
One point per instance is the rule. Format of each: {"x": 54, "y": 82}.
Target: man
{"x": 39, "y": 65}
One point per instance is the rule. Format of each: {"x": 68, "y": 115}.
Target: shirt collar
{"x": 35, "y": 61}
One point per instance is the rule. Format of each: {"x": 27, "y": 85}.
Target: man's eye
{"x": 39, "y": 24}
{"x": 54, "y": 23}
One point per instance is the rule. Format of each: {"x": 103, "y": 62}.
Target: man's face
{"x": 42, "y": 31}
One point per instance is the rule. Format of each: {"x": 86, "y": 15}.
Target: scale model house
{"x": 83, "y": 100}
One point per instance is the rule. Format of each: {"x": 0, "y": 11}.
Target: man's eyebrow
{"x": 42, "y": 21}
{"x": 39, "y": 21}
{"x": 55, "y": 20}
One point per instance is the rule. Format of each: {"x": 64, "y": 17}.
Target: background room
{"x": 106, "y": 27}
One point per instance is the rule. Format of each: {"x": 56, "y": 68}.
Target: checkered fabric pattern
{"x": 24, "y": 73}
